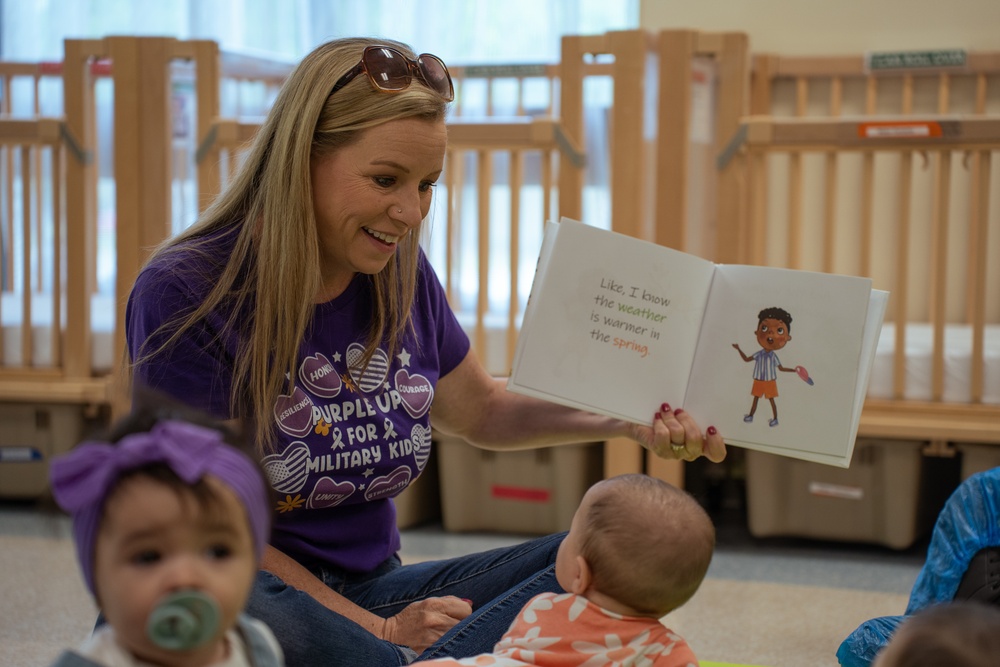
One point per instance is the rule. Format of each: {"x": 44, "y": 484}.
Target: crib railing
{"x": 33, "y": 231}
{"x": 509, "y": 167}
{"x": 918, "y": 222}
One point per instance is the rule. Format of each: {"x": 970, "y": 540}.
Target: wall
{"x": 821, "y": 27}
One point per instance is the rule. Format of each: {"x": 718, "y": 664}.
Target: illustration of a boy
{"x": 774, "y": 330}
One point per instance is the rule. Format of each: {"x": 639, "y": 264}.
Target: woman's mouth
{"x": 384, "y": 238}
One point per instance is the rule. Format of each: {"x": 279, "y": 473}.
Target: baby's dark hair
{"x": 149, "y": 407}
{"x": 775, "y": 313}
{"x": 963, "y": 633}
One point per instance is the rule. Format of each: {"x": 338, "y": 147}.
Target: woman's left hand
{"x": 674, "y": 435}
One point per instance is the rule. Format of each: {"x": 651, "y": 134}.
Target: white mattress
{"x": 957, "y": 366}
{"x": 102, "y": 319}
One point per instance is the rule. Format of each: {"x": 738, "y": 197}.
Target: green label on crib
{"x": 902, "y": 60}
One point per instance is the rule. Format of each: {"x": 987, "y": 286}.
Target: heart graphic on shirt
{"x": 319, "y": 376}
{"x": 328, "y": 493}
{"x": 415, "y": 391}
{"x": 287, "y": 471}
{"x": 370, "y": 377}
{"x": 294, "y": 413}
{"x": 421, "y": 439}
{"x": 388, "y": 485}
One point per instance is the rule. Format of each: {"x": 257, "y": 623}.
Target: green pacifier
{"x": 183, "y": 621}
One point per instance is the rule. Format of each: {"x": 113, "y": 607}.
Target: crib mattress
{"x": 957, "y": 363}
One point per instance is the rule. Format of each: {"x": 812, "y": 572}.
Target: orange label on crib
{"x": 899, "y": 130}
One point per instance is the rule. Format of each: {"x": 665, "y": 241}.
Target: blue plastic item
{"x": 968, "y": 523}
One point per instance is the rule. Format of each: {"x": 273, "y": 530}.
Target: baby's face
{"x": 153, "y": 542}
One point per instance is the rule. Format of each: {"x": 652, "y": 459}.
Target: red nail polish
{"x": 466, "y": 600}
{"x": 712, "y": 430}
{"x": 665, "y": 407}
{"x": 678, "y": 411}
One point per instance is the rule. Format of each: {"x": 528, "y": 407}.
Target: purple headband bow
{"x": 82, "y": 478}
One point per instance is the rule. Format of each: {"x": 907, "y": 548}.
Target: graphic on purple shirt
{"x": 350, "y": 437}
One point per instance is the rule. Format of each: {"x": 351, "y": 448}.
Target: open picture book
{"x": 777, "y": 359}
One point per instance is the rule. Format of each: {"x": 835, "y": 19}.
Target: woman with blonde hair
{"x": 301, "y": 306}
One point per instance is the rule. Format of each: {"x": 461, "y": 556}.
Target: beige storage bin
{"x": 876, "y": 500}
{"x": 531, "y": 491}
{"x": 978, "y": 457}
{"x": 30, "y": 435}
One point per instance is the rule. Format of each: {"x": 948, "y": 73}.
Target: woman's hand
{"x": 674, "y": 435}
{"x": 424, "y": 622}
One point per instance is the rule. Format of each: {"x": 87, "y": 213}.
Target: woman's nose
{"x": 407, "y": 211}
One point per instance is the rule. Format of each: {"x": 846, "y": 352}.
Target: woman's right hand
{"x": 424, "y": 622}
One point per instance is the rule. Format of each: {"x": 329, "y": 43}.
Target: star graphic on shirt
{"x": 404, "y": 358}
{"x": 368, "y": 472}
{"x": 336, "y": 357}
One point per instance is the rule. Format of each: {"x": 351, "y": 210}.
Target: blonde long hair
{"x": 274, "y": 268}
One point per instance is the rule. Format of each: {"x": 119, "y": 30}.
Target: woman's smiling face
{"x": 371, "y": 193}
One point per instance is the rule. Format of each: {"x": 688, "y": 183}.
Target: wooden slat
{"x": 514, "y": 302}
{"x": 901, "y": 283}
{"x": 81, "y": 205}
{"x": 676, "y": 51}
{"x": 27, "y": 352}
{"x": 484, "y": 179}
{"x": 938, "y": 288}
{"x": 978, "y": 239}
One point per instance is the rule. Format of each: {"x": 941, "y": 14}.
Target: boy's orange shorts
{"x": 765, "y": 388}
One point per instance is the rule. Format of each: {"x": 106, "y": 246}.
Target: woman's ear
{"x": 582, "y": 577}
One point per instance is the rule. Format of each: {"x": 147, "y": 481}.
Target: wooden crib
{"x": 683, "y": 162}
{"x": 508, "y": 171}
{"x": 888, "y": 174}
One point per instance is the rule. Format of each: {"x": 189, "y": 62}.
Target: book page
{"x": 808, "y": 411}
{"x": 612, "y": 323}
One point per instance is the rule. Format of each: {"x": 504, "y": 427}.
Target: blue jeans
{"x": 499, "y": 582}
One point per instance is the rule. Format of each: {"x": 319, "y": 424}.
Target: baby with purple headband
{"x": 170, "y": 523}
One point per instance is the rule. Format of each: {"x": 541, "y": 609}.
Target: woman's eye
{"x": 384, "y": 181}
{"x": 427, "y": 186}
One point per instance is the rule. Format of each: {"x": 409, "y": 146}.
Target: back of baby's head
{"x": 956, "y": 634}
{"x": 648, "y": 543}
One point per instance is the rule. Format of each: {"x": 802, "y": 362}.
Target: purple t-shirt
{"x": 349, "y": 439}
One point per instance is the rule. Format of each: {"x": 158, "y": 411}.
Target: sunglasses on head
{"x": 392, "y": 72}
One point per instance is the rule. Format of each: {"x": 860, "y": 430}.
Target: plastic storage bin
{"x": 876, "y": 500}
{"x": 978, "y": 457}
{"x": 30, "y": 435}
{"x": 531, "y": 491}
